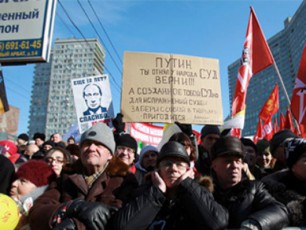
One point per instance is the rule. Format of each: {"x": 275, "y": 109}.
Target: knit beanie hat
{"x": 263, "y": 145}
{"x": 227, "y": 146}
{"x": 279, "y": 137}
{"x": 210, "y": 129}
{"x": 101, "y": 133}
{"x": 23, "y": 136}
{"x": 8, "y": 147}
{"x": 148, "y": 148}
{"x": 36, "y": 171}
{"x": 128, "y": 141}
{"x": 294, "y": 148}
{"x": 173, "y": 149}
{"x": 298, "y": 152}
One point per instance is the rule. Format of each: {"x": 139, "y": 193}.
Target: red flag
{"x": 4, "y": 106}
{"x": 268, "y": 129}
{"x": 256, "y": 56}
{"x": 271, "y": 106}
{"x": 303, "y": 131}
{"x": 282, "y": 121}
{"x": 289, "y": 123}
{"x": 275, "y": 126}
{"x": 259, "y": 132}
{"x": 298, "y": 102}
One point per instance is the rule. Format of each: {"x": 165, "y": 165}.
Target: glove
{"x": 118, "y": 123}
{"x": 93, "y": 215}
{"x": 67, "y": 224}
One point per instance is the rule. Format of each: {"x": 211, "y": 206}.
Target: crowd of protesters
{"x": 106, "y": 182}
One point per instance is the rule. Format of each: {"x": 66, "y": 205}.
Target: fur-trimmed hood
{"x": 207, "y": 182}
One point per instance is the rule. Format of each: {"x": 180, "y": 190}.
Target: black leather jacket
{"x": 249, "y": 200}
{"x": 192, "y": 208}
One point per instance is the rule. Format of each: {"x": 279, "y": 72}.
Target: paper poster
{"x": 93, "y": 101}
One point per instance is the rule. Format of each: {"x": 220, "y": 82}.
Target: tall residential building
{"x": 52, "y": 107}
{"x": 286, "y": 46}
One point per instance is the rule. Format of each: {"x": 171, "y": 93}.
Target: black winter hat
{"x": 173, "y": 149}
{"x": 279, "y": 138}
{"x": 226, "y": 146}
{"x": 23, "y": 136}
{"x": 248, "y": 142}
{"x": 296, "y": 155}
{"x": 210, "y": 129}
{"x": 40, "y": 136}
{"x": 128, "y": 141}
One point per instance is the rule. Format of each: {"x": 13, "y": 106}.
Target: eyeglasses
{"x": 50, "y": 160}
{"x": 168, "y": 163}
{"x": 123, "y": 148}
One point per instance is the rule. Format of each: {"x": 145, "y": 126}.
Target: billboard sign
{"x": 26, "y": 29}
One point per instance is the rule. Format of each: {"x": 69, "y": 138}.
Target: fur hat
{"x": 226, "y": 146}
{"x": 279, "y": 137}
{"x": 210, "y": 129}
{"x": 101, "y": 133}
{"x": 36, "y": 171}
{"x": 128, "y": 141}
{"x": 8, "y": 147}
{"x": 23, "y": 136}
{"x": 173, "y": 149}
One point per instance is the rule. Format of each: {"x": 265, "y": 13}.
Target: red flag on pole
{"x": 256, "y": 56}
{"x": 282, "y": 121}
{"x": 271, "y": 106}
{"x": 268, "y": 129}
{"x": 275, "y": 126}
{"x": 289, "y": 123}
{"x": 259, "y": 132}
{"x": 298, "y": 99}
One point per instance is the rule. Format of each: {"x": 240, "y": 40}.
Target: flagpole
{"x": 286, "y": 94}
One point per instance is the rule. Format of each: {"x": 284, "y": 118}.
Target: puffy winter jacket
{"x": 286, "y": 188}
{"x": 193, "y": 207}
{"x": 249, "y": 200}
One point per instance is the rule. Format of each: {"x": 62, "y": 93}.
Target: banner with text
{"x": 93, "y": 101}
{"x": 146, "y": 133}
{"x": 168, "y": 87}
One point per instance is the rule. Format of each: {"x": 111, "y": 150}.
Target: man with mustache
{"x": 249, "y": 204}
{"x": 86, "y": 199}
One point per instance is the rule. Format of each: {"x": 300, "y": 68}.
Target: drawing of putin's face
{"x": 92, "y": 95}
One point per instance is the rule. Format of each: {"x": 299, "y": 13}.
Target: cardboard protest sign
{"x": 93, "y": 100}
{"x": 167, "y": 87}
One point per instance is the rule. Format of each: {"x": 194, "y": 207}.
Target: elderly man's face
{"x": 228, "y": 170}
{"x": 94, "y": 154}
{"x": 171, "y": 169}
{"x": 92, "y": 96}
